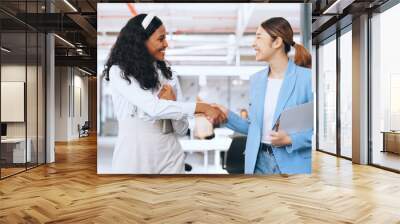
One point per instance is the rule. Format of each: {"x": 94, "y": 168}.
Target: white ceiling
{"x": 200, "y": 34}
{"x": 196, "y": 17}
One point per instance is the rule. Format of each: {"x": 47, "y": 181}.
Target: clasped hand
{"x": 167, "y": 93}
{"x": 216, "y": 114}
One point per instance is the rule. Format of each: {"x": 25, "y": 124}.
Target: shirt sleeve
{"x": 180, "y": 126}
{"x": 236, "y": 123}
{"x": 156, "y": 108}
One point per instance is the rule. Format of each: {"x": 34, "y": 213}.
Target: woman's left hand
{"x": 167, "y": 93}
{"x": 280, "y": 138}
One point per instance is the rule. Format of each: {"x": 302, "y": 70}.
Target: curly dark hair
{"x": 132, "y": 56}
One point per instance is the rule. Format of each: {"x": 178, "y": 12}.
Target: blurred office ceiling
{"x": 200, "y": 34}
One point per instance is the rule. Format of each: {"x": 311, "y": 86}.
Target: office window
{"x": 385, "y": 85}
{"x": 22, "y": 92}
{"x": 13, "y": 86}
{"x": 346, "y": 94}
{"x": 327, "y": 97}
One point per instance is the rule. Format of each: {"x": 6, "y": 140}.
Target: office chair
{"x": 84, "y": 130}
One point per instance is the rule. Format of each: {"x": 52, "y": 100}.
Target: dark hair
{"x": 132, "y": 56}
{"x": 280, "y": 27}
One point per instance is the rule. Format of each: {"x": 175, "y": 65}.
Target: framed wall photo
{"x": 12, "y": 101}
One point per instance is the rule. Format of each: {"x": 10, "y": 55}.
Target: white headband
{"x": 147, "y": 20}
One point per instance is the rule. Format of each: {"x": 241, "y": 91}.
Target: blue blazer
{"x": 296, "y": 89}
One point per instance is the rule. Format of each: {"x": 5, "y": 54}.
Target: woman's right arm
{"x": 156, "y": 108}
{"x": 234, "y": 121}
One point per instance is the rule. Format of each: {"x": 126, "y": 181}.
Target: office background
{"x": 67, "y": 187}
{"x": 44, "y": 96}
{"x": 22, "y": 79}
{"x": 357, "y": 61}
{"x": 25, "y": 51}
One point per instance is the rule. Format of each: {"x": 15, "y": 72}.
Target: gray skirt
{"x": 142, "y": 148}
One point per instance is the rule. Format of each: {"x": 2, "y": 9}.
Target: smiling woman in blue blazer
{"x": 282, "y": 84}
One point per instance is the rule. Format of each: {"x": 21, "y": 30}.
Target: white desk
{"x": 223, "y": 132}
{"x": 19, "y": 155}
{"x": 216, "y": 144}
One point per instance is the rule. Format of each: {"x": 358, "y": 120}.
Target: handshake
{"x": 216, "y": 114}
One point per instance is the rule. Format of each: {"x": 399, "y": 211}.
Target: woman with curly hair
{"x": 144, "y": 99}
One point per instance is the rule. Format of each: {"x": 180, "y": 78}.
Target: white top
{"x": 130, "y": 100}
{"x": 271, "y": 98}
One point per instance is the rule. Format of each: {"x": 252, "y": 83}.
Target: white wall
{"x": 61, "y": 103}
{"x": 33, "y": 126}
{"x": 12, "y": 73}
{"x": 71, "y": 93}
{"x": 79, "y": 117}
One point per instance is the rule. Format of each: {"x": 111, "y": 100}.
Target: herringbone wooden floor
{"x": 70, "y": 191}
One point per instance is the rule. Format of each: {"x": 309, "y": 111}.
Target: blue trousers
{"x": 266, "y": 163}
